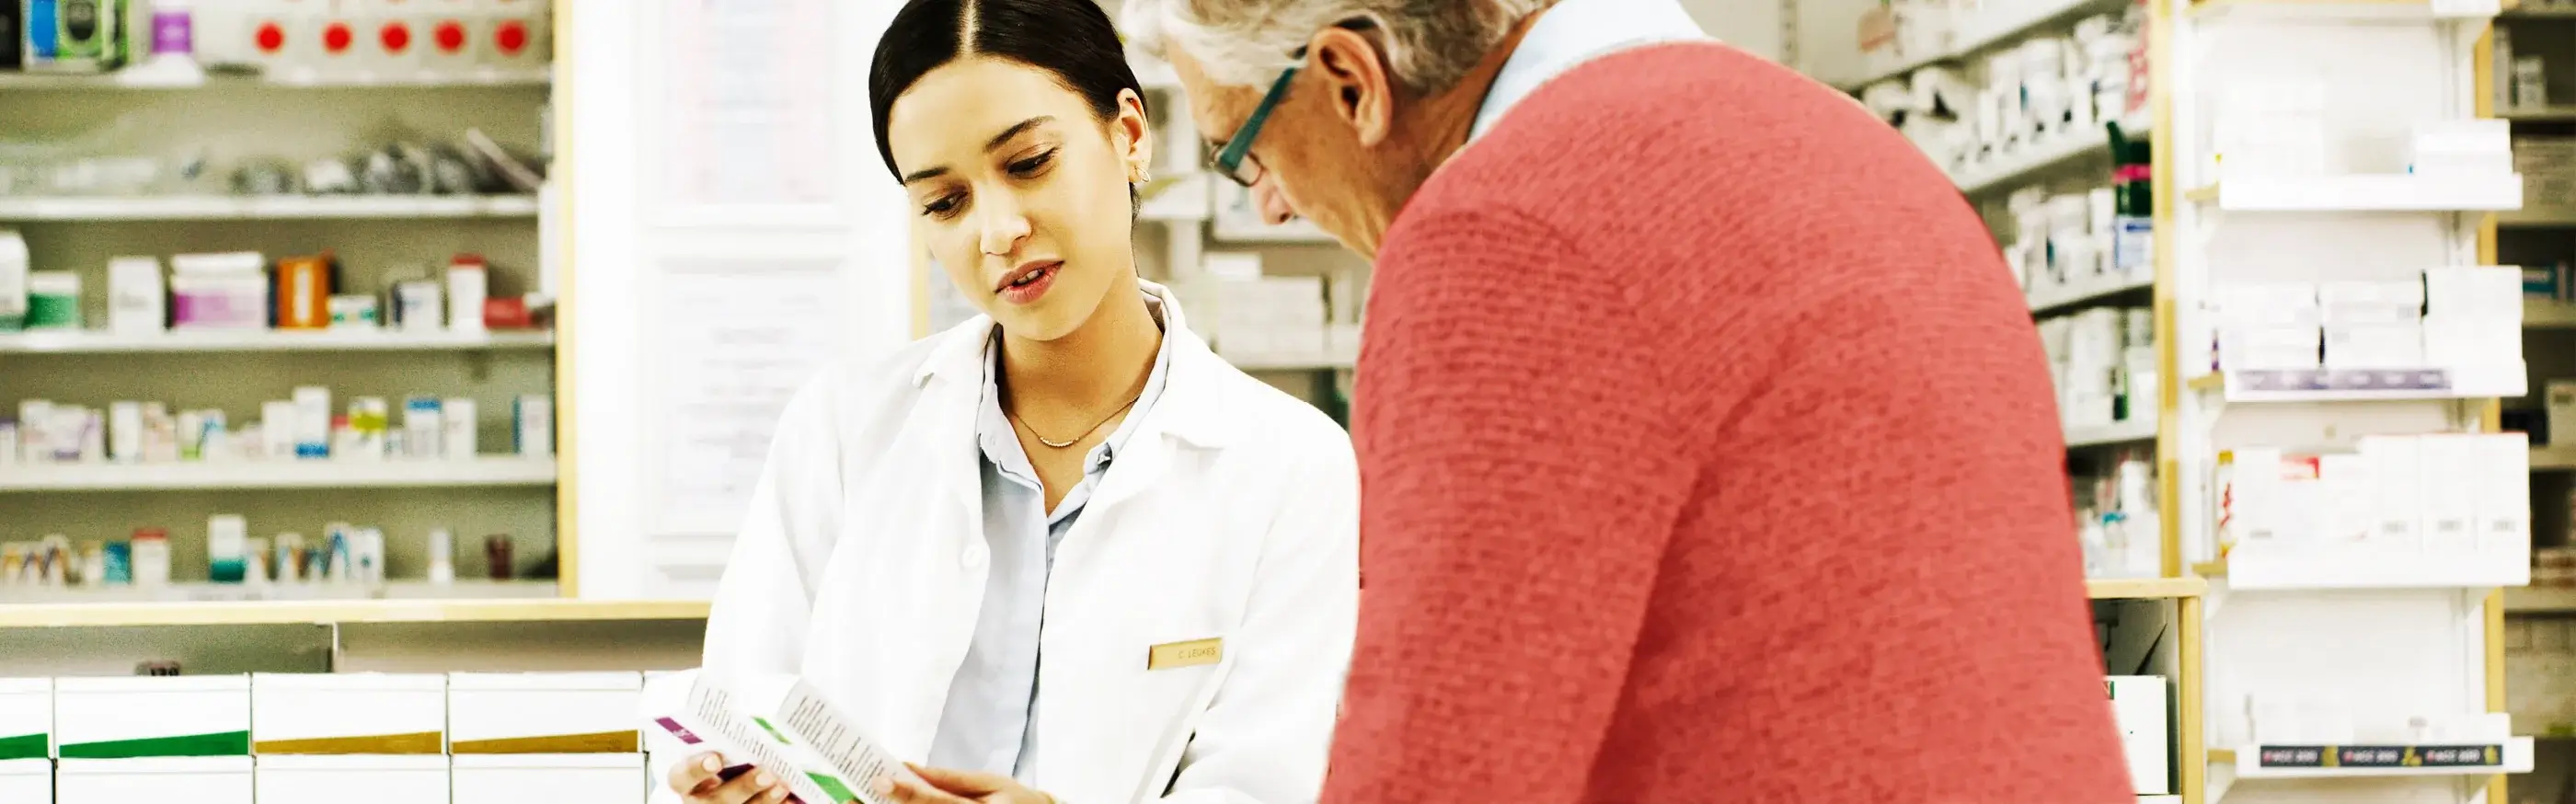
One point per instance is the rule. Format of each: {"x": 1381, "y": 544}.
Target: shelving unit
{"x": 2377, "y": 638}
{"x": 344, "y": 612}
{"x": 238, "y": 208}
{"x": 145, "y": 80}
{"x": 319, "y": 474}
{"x": 2515, "y": 757}
{"x": 1985, "y": 37}
{"x": 270, "y": 340}
{"x": 2121, "y": 433}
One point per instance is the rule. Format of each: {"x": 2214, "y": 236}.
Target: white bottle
{"x": 468, "y": 283}
{"x": 13, "y": 281}
{"x": 312, "y": 422}
{"x": 125, "y": 431}
{"x": 442, "y": 557}
{"x": 457, "y": 423}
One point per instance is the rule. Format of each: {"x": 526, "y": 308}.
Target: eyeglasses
{"x": 1235, "y": 160}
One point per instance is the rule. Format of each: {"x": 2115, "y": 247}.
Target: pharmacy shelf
{"x": 2516, "y": 758}
{"x": 218, "y": 208}
{"x": 2056, "y": 299}
{"x": 2539, "y": 600}
{"x": 268, "y": 340}
{"x": 2393, "y": 192}
{"x": 2115, "y": 433}
{"x": 2552, "y": 217}
{"x": 1180, "y": 199}
{"x": 285, "y": 474}
{"x": 2144, "y": 588}
{"x": 1297, "y": 232}
{"x": 147, "y": 79}
{"x": 2008, "y": 170}
{"x": 2529, "y": 11}
{"x": 1996, "y": 31}
{"x": 2540, "y": 114}
{"x": 2248, "y": 573}
{"x": 2364, "y": 385}
{"x": 2544, "y": 459}
{"x": 2353, "y": 10}
{"x": 94, "y": 615}
{"x": 2548, "y": 315}
{"x": 207, "y": 592}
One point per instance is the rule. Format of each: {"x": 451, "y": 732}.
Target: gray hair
{"x": 1429, "y": 44}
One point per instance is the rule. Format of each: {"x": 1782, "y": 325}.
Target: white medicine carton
{"x": 196, "y": 780}
{"x": 26, "y": 719}
{"x": 543, "y": 713}
{"x": 287, "y": 779}
{"x": 548, "y": 778}
{"x": 348, "y": 713}
{"x": 27, "y": 780}
{"x": 2139, "y": 707}
{"x": 153, "y": 716}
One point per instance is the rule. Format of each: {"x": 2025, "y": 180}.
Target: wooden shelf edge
{"x": 77, "y": 615}
{"x": 2144, "y": 588}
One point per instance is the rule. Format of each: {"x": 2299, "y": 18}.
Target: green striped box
{"x": 26, "y": 718}
{"x": 134, "y": 717}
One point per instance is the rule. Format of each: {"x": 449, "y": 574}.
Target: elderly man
{"x": 1707, "y": 454}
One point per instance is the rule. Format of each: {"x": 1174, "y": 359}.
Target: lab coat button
{"x": 974, "y": 557}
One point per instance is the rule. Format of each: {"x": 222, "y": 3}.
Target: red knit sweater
{"x": 1708, "y": 455}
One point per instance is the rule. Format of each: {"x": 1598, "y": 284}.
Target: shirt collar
{"x": 1001, "y": 444}
{"x": 1574, "y": 32}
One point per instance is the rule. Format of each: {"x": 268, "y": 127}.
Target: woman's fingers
{"x": 756, "y": 787}
{"x": 695, "y": 772}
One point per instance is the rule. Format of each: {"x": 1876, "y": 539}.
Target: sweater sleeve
{"x": 1519, "y": 487}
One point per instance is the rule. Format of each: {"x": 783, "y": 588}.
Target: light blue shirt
{"x": 1576, "y": 31}
{"x": 990, "y": 721}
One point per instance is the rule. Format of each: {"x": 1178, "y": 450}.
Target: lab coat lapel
{"x": 951, "y": 594}
{"x": 1190, "y": 410}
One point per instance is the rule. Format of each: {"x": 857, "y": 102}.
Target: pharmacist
{"x": 1062, "y": 551}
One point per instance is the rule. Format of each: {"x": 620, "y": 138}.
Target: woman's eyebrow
{"x": 997, "y": 142}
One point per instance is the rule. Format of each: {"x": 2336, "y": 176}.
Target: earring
{"x": 1140, "y": 175}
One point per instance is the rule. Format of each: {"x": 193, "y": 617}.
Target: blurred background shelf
{"x": 211, "y": 208}
{"x": 269, "y": 340}
{"x": 147, "y": 79}
{"x": 71, "y": 615}
{"x": 283, "y": 474}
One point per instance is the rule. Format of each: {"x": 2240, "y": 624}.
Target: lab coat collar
{"x": 1191, "y": 408}
{"x": 1573, "y": 32}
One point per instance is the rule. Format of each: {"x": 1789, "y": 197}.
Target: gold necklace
{"x": 1095, "y": 427}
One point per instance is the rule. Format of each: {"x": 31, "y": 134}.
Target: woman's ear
{"x": 1134, "y": 134}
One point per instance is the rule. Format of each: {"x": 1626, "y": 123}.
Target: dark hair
{"x": 1071, "y": 39}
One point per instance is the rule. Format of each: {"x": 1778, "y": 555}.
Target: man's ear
{"x": 1133, "y": 132}
{"x": 1360, "y": 88}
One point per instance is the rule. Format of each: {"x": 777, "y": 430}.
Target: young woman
{"x": 1062, "y": 550}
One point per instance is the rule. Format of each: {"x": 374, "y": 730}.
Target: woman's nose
{"x": 1004, "y": 224}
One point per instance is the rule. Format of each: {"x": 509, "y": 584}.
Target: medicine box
{"x": 27, "y": 780}
{"x": 289, "y": 779}
{"x": 348, "y": 713}
{"x": 2451, "y": 476}
{"x": 26, "y": 719}
{"x": 2504, "y": 495}
{"x": 195, "y": 780}
{"x": 543, "y": 713}
{"x": 548, "y": 778}
{"x": 153, "y": 716}
{"x": 2139, "y": 707}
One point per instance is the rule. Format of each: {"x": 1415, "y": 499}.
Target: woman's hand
{"x": 958, "y": 787}
{"x": 702, "y": 780}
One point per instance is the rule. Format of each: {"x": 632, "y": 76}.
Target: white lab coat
{"x": 1231, "y": 513}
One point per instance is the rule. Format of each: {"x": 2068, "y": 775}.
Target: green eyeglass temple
{"x": 1230, "y": 160}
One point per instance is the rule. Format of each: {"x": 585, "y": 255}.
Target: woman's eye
{"x": 941, "y": 206}
{"x": 1029, "y": 167}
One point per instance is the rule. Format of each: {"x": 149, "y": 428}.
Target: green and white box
{"x": 543, "y": 713}
{"x": 348, "y": 713}
{"x": 152, "y": 716}
{"x": 196, "y": 780}
{"x": 2141, "y": 707}
{"x": 26, "y": 719}
{"x": 549, "y": 778}
{"x": 299, "y": 779}
{"x": 26, "y": 780}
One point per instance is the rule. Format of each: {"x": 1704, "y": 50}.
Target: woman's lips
{"x": 1029, "y": 284}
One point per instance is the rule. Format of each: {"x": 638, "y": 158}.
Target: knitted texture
{"x": 1708, "y": 454}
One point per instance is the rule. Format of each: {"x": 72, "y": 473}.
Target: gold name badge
{"x": 1193, "y": 653}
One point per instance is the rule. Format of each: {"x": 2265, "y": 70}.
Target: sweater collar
{"x": 1573, "y": 32}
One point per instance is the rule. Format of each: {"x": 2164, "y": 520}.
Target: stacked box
{"x": 322, "y": 779}
{"x": 195, "y": 780}
{"x": 548, "y": 778}
{"x": 348, "y": 713}
{"x": 543, "y": 713}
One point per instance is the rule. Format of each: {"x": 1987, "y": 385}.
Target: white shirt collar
{"x": 1576, "y": 31}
